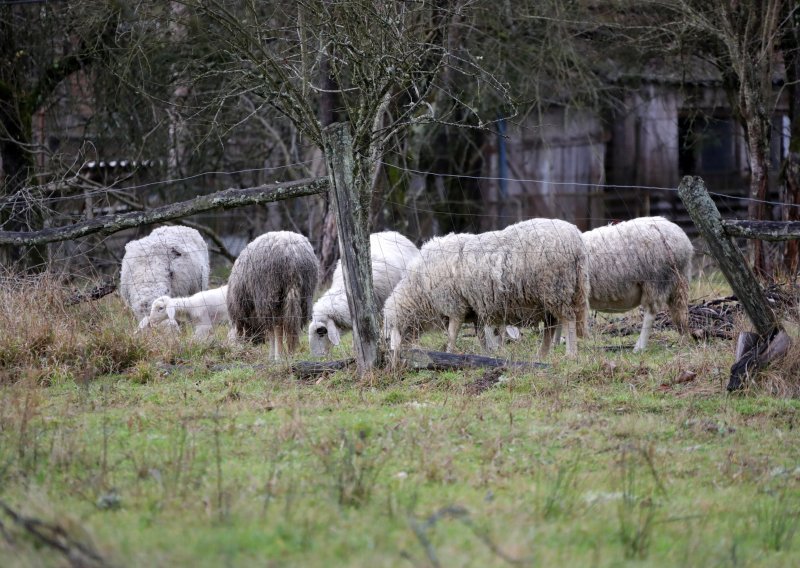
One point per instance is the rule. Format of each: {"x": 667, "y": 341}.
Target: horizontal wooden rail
{"x": 763, "y": 230}
{"x": 226, "y": 199}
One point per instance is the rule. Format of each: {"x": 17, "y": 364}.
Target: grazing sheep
{"x": 203, "y": 310}
{"x": 529, "y": 272}
{"x": 391, "y": 253}
{"x": 271, "y": 288}
{"x": 170, "y": 261}
{"x": 645, "y": 261}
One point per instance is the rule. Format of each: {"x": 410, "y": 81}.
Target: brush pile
{"x": 711, "y": 318}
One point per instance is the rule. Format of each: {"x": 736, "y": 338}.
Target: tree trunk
{"x": 329, "y": 252}
{"x": 18, "y": 212}
{"x": 790, "y": 172}
{"x": 176, "y": 153}
{"x": 350, "y": 196}
{"x": 707, "y": 219}
{"x": 758, "y": 144}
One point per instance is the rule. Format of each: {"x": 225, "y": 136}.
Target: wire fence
{"x": 420, "y": 206}
{"x": 499, "y": 277}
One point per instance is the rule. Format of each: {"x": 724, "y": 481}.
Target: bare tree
{"x": 32, "y": 67}
{"x": 381, "y": 59}
{"x": 790, "y": 46}
{"x": 740, "y": 38}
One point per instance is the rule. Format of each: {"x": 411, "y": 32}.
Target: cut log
{"x": 311, "y": 369}
{"x": 419, "y": 359}
{"x": 441, "y": 361}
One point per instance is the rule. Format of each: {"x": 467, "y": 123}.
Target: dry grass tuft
{"x": 782, "y": 379}
{"x": 45, "y": 338}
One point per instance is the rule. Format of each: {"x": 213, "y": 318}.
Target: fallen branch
{"x": 99, "y": 291}
{"x": 226, "y": 199}
{"x": 78, "y": 554}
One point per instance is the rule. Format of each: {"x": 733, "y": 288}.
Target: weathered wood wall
{"x": 562, "y": 153}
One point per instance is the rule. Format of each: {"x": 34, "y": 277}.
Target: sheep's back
{"x": 391, "y": 254}
{"x": 545, "y": 268}
{"x": 169, "y": 261}
{"x": 272, "y": 280}
{"x": 648, "y": 250}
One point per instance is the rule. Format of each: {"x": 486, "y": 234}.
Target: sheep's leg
{"x": 277, "y": 337}
{"x": 572, "y": 338}
{"x": 647, "y": 326}
{"x": 453, "y": 327}
{"x": 556, "y": 331}
{"x": 490, "y": 337}
{"x": 547, "y": 340}
{"x": 202, "y": 331}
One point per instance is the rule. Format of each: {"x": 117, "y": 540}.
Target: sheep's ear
{"x": 144, "y": 323}
{"x": 171, "y": 312}
{"x": 333, "y": 332}
{"x": 513, "y": 332}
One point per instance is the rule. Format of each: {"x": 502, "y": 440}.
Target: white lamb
{"x": 171, "y": 261}
{"x": 645, "y": 261}
{"x": 529, "y": 272}
{"x": 203, "y": 310}
{"x": 391, "y": 253}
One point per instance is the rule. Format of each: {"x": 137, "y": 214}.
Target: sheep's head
{"x": 161, "y": 310}
{"x": 321, "y": 335}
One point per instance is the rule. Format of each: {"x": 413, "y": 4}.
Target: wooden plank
{"x": 708, "y": 221}
{"x": 226, "y": 199}
{"x": 352, "y": 222}
{"x": 763, "y": 230}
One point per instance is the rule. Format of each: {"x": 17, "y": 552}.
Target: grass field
{"x": 124, "y": 450}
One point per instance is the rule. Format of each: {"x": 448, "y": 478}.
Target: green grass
{"x": 208, "y": 456}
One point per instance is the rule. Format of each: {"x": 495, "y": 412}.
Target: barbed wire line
{"x": 578, "y": 184}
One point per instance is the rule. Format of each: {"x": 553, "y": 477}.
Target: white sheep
{"x": 270, "y": 290}
{"x": 170, "y": 261}
{"x": 391, "y": 253}
{"x": 203, "y": 310}
{"x": 529, "y": 272}
{"x": 643, "y": 262}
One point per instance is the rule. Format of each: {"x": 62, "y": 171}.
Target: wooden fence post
{"x": 706, "y": 217}
{"x": 353, "y": 226}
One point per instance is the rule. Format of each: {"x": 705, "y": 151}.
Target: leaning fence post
{"x": 707, "y": 219}
{"x": 352, "y": 223}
